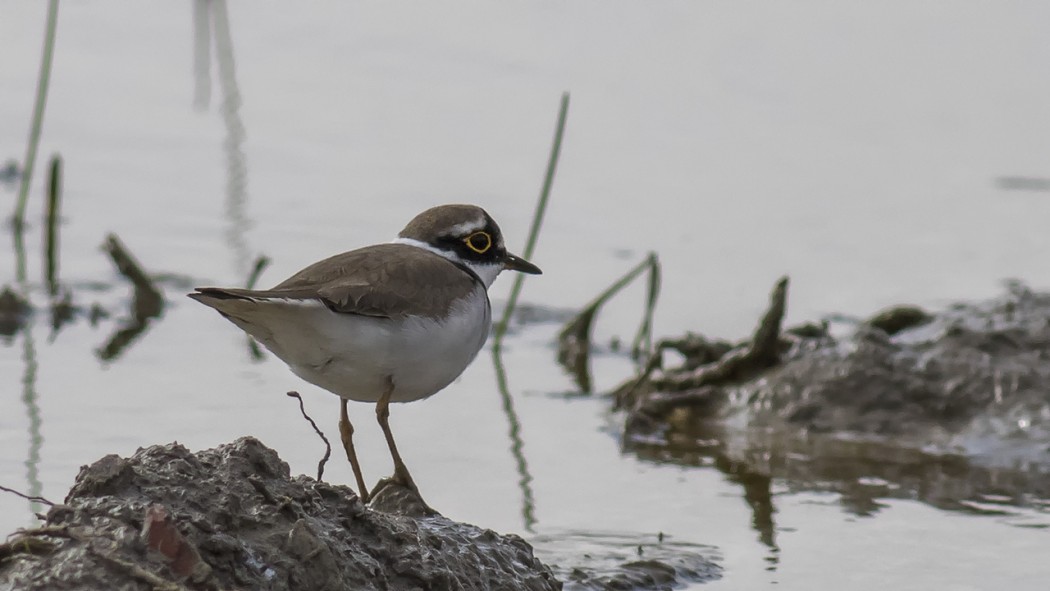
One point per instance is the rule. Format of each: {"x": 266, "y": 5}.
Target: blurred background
{"x": 877, "y": 153}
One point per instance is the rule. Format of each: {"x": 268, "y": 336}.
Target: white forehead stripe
{"x": 468, "y": 227}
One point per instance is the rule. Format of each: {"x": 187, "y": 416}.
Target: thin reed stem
{"x": 537, "y": 220}
{"x": 43, "y": 80}
{"x": 54, "y": 192}
{"x": 528, "y": 508}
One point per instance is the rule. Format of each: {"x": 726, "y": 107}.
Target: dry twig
{"x": 327, "y": 445}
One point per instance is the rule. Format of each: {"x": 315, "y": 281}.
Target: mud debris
{"x": 233, "y": 518}
{"x": 14, "y": 311}
{"x": 975, "y": 372}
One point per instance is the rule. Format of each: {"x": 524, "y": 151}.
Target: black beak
{"x": 516, "y": 263}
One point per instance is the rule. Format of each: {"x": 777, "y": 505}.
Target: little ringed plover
{"x": 386, "y": 323}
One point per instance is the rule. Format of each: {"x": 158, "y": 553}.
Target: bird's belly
{"x": 358, "y": 357}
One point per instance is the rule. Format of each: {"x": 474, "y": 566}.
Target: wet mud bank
{"x": 234, "y": 518}
{"x": 951, "y": 407}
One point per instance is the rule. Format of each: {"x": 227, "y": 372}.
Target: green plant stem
{"x": 54, "y": 192}
{"x": 38, "y": 111}
{"x": 528, "y": 509}
{"x": 537, "y": 220}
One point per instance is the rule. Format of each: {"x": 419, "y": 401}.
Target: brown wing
{"x": 385, "y": 280}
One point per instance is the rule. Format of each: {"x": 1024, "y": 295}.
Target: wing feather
{"x": 385, "y": 280}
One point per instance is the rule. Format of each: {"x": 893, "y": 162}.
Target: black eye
{"x": 479, "y": 242}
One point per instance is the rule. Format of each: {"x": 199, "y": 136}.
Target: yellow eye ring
{"x": 479, "y": 242}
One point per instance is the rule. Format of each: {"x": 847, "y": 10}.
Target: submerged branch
{"x": 762, "y": 352}
{"x": 574, "y": 340}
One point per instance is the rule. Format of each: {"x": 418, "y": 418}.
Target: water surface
{"x": 859, "y": 149}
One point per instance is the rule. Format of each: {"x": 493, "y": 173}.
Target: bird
{"x": 392, "y": 322}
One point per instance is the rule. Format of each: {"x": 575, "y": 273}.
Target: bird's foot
{"x": 396, "y": 494}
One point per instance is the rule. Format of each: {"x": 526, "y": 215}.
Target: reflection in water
{"x": 201, "y": 55}
{"x": 29, "y": 398}
{"x": 757, "y": 484}
{"x": 210, "y": 17}
{"x": 126, "y": 332}
{"x": 147, "y": 303}
{"x": 63, "y": 312}
{"x": 236, "y": 165}
{"x": 205, "y": 12}
{"x": 598, "y": 560}
{"x": 500, "y": 328}
{"x": 29, "y": 394}
{"x": 758, "y": 495}
{"x": 860, "y": 472}
{"x": 528, "y": 505}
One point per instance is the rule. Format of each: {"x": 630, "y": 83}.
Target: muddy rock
{"x": 951, "y": 407}
{"x": 972, "y": 379}
{"x": 234, "y": 518}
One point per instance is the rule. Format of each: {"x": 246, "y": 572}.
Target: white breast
{"x": 427, "y": 355}
{"x": 356, "y": 357}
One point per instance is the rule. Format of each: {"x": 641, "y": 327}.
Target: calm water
{"x": 855, "y": 148}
